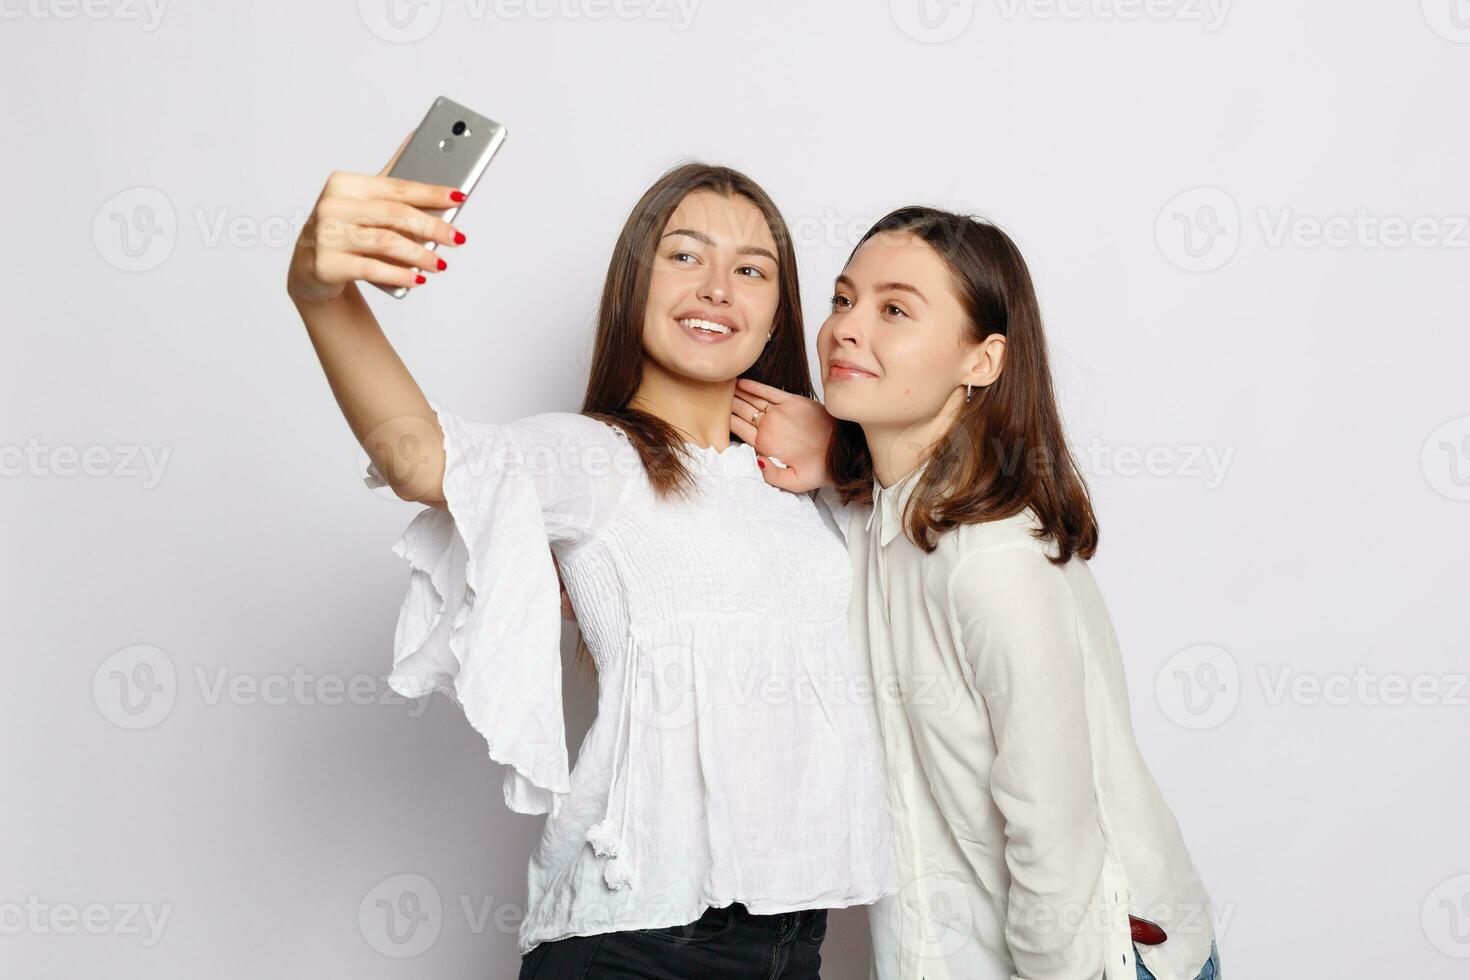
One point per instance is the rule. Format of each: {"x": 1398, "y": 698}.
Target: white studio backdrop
{"x": 1248, "y": 223}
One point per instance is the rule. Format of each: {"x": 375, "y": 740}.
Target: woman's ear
{"x": 986, "y": 361}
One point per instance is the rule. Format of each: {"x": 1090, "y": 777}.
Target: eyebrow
{"x": 700, "y": 236}
{"x": 902, "y": 287}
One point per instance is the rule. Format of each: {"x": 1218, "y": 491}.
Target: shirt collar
{"x": 889, "y": 503}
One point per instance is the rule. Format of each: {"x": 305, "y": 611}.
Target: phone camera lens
{"x": 459, "y": 129}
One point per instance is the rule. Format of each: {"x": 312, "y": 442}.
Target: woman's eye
{"x": 679, "y": 256}
{"x": 840, "y": 302}
{"x": 892, "y": 309}
{"x": 755, "y": 272}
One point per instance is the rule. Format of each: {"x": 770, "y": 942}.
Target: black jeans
{"x": 723, "y": 944}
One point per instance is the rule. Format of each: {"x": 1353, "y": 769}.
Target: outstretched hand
{"x": 791, "y": 428}
{"x": 372, "y": 228}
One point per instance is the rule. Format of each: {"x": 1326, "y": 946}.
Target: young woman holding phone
{"x": 727, "y": 793}
{"x": 1029, "y": 828}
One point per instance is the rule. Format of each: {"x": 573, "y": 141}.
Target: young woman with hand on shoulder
{"x": 1029, "y": 828}
{"x": 711, "y": 819}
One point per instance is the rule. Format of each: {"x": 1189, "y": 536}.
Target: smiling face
{"x": 713, "y": 290}
{"x": 897, "y": 349}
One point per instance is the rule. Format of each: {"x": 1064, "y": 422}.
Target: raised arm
{"x": 372, "y": 228}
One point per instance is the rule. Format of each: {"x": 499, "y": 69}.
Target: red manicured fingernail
{"x": 1146, "y": 933}
{"x": 459, "y": 238}
{"x": 761, "y": 463}
{"x": 443, "y": 265}
{"x": 420, "y": 280}
{"x": 456, "y": 195}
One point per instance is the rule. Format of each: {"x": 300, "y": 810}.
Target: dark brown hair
{"x": 617, "y": 362}
{"x": 1006, "y": 451}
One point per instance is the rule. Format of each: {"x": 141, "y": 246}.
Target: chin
{"x": 707, "y": 369}
{"x": 708, "y": 374}
{"x": 702, "y": 365}
{"x": 845, "y": 405}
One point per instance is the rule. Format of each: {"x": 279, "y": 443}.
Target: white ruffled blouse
{"x": 735, "y": 755}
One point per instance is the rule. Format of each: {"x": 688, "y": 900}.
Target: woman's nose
{"x": 715, "y": 289}
{"x": 849, "y": 332}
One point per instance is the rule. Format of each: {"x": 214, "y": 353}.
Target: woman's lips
{"x": 838, "y": 371}
{"x": 707, "y": 331}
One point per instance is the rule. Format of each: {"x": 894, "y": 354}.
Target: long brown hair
{"x": 1006, "y": 451}
{"x": 617, "y": 362}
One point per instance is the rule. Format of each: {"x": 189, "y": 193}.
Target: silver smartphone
{"x": 452, "y": 146}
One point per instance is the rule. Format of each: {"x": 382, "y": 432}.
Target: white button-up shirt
{"x": 1028, "y": 827}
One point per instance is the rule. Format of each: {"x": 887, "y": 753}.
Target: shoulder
{"x": 567, "y": 455}
{"x": 830, "y": 504}
{"x": 548, "y": 433}
{"x": 544, "y": 428}
{"x": 1015, "y": 612}
{"x": 1015, "y": 532}
{"x": 1001, "y": 570}
{"x": 576, "y": 447}
{"x": 573, "y": 427}
{"x": 570, "y": 433}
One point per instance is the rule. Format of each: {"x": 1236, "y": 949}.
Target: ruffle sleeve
{"x": 481, "y": 620}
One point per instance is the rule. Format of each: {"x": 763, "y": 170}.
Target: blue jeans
{"x": 1210, "y": 971}
{"x": 722, "y": 944}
